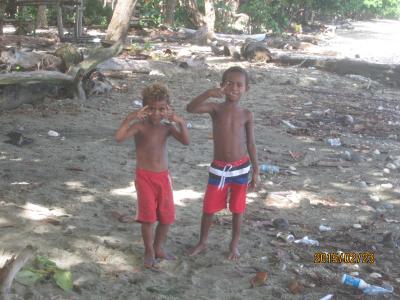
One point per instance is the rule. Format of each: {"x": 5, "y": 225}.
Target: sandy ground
{"x": 61, "y": 195}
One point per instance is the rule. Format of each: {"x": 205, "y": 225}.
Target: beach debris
{"x": 334, "y": 142}
{"x": 18, "y": 139}
{"x": 324, "y": 228}
{"x": 295, "y": 287}
{"x": 280, "y": 223}
{"x": 259, "y": 279}
{"x": 357, "y": 226}
{"x": 189, "y": 125}
{"x": 327, "y": 297}
{"x": 286, "y": 237}
{"x": 45, "y": 269}
{"x": 52, "y": 133}
{"x": 367, "y": 288}
{"x": 51, "y": 221}
{"x": 305, "y": 240}
{"x": 270, "y": 169}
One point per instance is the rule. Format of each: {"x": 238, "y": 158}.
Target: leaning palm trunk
{"x": 119, "y": 25}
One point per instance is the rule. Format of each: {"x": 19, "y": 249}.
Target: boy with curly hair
{"x": 153, "y": 182}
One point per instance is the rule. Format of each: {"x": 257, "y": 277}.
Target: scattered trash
{"x": 18, "y": 139}
{"x": 327, "y": 297}
{"x": 295, "y": 287}
{"x": 189, "y": 125}
{"x": 367, "y": 288}
{"x": 259, "y": 279}
{"x": 354, "y": 281}
{"x": 357, "y": 226}
{"x": 375, "y": 275}
{"x": 305, "y": 240}
{"x": 137, "y": 104}
{"x": 288, "y": 238}
{"x": 270, "y": 169}
{"x": 53, "y": 133}
{"x": 280, "y": 223}
{"x": 334, "y": 142}
{"x": 156, "y": 73}
{"x": 324, "y": 228}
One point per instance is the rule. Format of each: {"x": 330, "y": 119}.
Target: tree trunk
{"x": 2, "y": 11}
{"x": 209, "y": 16}
{"x": 119, "y": 25}
{"x": 170, "y": 6}
{"x": 41, "y": 21}
{"x": 60, "y": 24}
{"x": 195, "y": 15}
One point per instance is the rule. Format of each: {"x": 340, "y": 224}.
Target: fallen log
{"x": 384, "y": 73}
{"x": 72, "y": 79}
{"x": 10, "y": 270}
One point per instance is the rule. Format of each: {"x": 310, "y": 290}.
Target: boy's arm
{"x": 251, "y": 148}
{"x": 197, "y": 105}
{"x": 182, "y": 135}
{"x": 126, "y": 130}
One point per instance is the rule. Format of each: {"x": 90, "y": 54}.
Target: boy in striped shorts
{"x": 234, "y": 153}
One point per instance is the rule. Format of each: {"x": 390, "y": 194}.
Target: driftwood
{"x": 10, "y": 270}
{"x": 72, "y": 79}
{"x": 384, "y": 73}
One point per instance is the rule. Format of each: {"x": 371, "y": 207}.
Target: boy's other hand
{"x": 143, "y": 113}
{"x": 171, "y": 116}
{"x": 217, "y": 92}
{"x": 254, "y": 182}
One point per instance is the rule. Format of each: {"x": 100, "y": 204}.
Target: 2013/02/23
{"x": 344, "y": 257}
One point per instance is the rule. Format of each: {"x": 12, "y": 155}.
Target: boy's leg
{"x": 159, "y": 241}
{"x": 206, "y": 222}
{"x": 233, "y": 247}
{"x": 147, "y": 235}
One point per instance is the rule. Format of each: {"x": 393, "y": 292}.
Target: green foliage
{"x": 150, "y": 13}
{"x": 45, "y": 269}
{"x": 95, "y": 13}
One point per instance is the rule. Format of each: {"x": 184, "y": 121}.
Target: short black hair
{"x": 236, "y": 69}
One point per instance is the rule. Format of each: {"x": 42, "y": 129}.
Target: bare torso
{"x": 151, "y": 147}
{"x": 229, "y": 132}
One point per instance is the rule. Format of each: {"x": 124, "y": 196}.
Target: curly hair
{"x": 155, "y": 92}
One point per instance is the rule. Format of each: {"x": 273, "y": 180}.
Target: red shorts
{"x": 155, "y": 198}
{"x": 227, "y": 177}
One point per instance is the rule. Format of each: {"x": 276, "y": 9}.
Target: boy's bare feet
{"x": 234, "y": 253}
{"x": 197, "y": 249}
{"x": 149, "y": 260}
{"x": 165, "y": 255}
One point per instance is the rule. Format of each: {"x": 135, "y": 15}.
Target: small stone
{"x": 295, "y": 287}
{"x": 391, "y": 166}
{"x": 377, "y": 152}
{"x": 357, "y": 226}
{"x": 386, "y": 171}
{"x": 375, "y": 275}
{"x": 280, "y": 223}
{"x": 386, "y": 185}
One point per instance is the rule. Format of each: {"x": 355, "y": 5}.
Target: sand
{"x": 64, "y": 195}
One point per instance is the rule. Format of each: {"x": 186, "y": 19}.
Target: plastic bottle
{"x": 354, "y": 281}
{"x": 307, "y": 241}
{"x": 377, "y": 290}
{"x": 270, "y": 169}
{"x": 324, "y": 228}
{"x": 288, "y": 238}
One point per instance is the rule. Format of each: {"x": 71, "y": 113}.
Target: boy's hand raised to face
{"x": 142, "y": 113}
{"x": 171, "y": 115}
{"x": 217, "y": 92}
